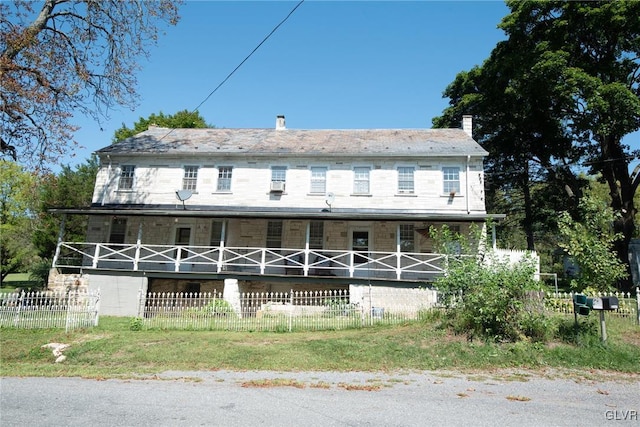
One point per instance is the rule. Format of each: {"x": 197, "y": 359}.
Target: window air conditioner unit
{"x": 277, "y": 186}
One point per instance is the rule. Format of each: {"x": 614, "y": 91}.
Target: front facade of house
{"x": 269, "y": 210}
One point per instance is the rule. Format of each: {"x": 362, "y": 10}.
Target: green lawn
{"x": 114, "y": 350}
{"x": 16, "y": 280}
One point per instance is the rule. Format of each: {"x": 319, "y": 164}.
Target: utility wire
{"x": 243, "y": 61}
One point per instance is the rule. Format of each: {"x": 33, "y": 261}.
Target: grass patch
{"x": 113, "y": 350}
{"x": 276, "y": 382}
{"x": 518, "y": 398}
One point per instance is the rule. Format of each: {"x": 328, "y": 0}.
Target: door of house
{"x": 360, "y": 243}
{"x": 183, "y": 238}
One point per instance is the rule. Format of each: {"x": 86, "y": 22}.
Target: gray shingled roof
{"x": 327, "y": 142}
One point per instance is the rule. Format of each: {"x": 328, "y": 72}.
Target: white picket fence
{"x": 49, "y": 309}
{"x": 321, "y": 310}
{"x": 628, "y": 303}
{"x": 288, "y": 311}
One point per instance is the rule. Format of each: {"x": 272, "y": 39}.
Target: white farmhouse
{"x": 269, "y": 210}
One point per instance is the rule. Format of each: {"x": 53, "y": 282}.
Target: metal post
{"x": 603, "y": 327}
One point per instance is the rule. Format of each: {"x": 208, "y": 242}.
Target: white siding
{"x": 157, "y": 184}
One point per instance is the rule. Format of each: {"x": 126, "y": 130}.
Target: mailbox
{"x": 605, "y": 303}
{"x": 581, "y": 304}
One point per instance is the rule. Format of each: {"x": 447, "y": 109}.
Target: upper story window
{"x": 361, "y": 180}
{"x": 316, "y": 234}
{"x": 450, "y": 180}
{"x": 407, "y": 238}
{"x": 318, "y": 180}
{"x": 278, "y": 178}
{"x": 224, "y": 178}
{"x": 190, "y": 180}
{"x": 274, "y": 234}
{"x": 278, "y": 174}
{"x": 405, "y": 180}
{"x": 127, "y": 172}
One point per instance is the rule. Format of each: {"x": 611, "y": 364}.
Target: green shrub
{"x": 218, "y": 306}
{"x": 135, "y": 324}
{"x": 487, "y": 297}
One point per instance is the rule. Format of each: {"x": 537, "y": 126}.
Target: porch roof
{"x": 277, "y": 213}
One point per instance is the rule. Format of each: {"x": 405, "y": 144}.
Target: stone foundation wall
{"x": 67, "y": 282}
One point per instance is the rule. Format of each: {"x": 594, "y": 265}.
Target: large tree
{"x": 59, "y": 58}
{"x": 18, "y": 198}
{"x": 573, "y": 70}
{"x": 70, "y": 188}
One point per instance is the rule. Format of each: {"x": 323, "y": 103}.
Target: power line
{"x": 243, "y": 61}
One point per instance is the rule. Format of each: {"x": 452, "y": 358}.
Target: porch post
{"x": 223, "y": 236}
{"x": 305, "y": 268}
{"x": 138, "y": 243}
{"x": 60, "y": 237}
{"x": 398, "y": 254}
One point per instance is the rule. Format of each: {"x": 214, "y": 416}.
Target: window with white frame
{"x": 318, "y": 180}
{"x": 361, "y": 180}
{"x": 190, "y": 179}
{"x": 407, "y": 238}
{"x": 224, "y": 178}
{"x": 405, "y": 180}
{"x": 278, "y": 174}
{"x": 274, "y": 234}
{"x": 127, "y": 172}
{"x": 316, "y": 234}
{"x": 450, "y": 180}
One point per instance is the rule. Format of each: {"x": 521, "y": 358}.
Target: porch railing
{"x": 247, "y": 260}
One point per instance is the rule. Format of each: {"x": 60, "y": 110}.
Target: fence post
{"x": 66, "y": 326}
{"x": 140, "y": 303}
{"x": 96, "y": 306}
{"x": 291, "y": 310}
{"x": 370, "y": 307}
{"x": 17, "y": 316}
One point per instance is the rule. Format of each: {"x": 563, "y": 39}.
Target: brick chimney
{"x": 467, "y": 124}
{"x": 280, "y": 123}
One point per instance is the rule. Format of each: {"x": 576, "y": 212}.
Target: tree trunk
{"x": 616, "y": 171}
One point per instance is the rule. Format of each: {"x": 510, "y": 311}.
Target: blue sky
{"x": 332, "y": 65}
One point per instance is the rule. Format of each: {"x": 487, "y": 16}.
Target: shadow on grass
{"x": 583, "y": 333}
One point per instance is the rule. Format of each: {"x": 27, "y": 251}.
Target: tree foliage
{"x": 71, "y": 188}
{"x": 558, "y": 95}
{"x": 589, "y": 241}
{"x": 181, "y": 120}
{"x": 17, "y": 211}
{"x": 59, "y": 58}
